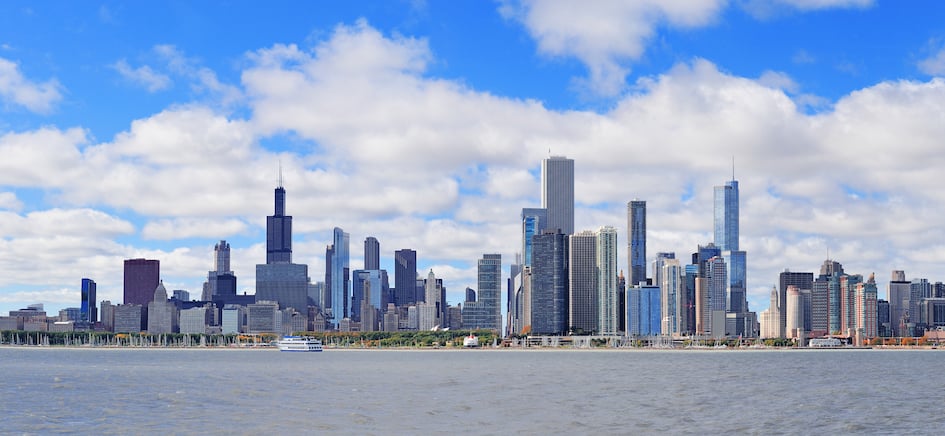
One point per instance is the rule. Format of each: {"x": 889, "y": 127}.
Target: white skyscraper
{"x": 607, "y": 280}
{"x": 557, "y": 193}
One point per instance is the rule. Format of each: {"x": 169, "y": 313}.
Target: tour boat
{"x": 471, "y": 341}
{"x": 299, "y": 343}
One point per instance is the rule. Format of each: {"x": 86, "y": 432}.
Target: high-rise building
{"x": 557, "y": 193}
{"x": 142, "y": 277}
{"x": 672, "y": 298}
{"x": 898, "y": 293}
{"x": 636, "y": 232}
{"x": 534, "y": 222}
{"x": 283, "y": 283}
{"x": 607, "y": 281}
{"x": 279, "y": 230}
{"x": 803, "y": 281}
{"x": 87, "y": 311}
{"x": 372, "y": 253}
{"x": 337, "y": 277}
{"x": 643, "y": 310}
{"x": 433, "y": 291}
{"x": 658, "y": 262}
{"x": 584, "y": 293}
{"x": 866, "y": 297}
{"x": 549, "y": 283}
{"x": 848, "y": 315}
{"x": 736, "y": 290}
{"x": 363, "y": 280}
{"x": 162, "y": 315}
{"x": 770, "y": 319}
{"x": 490, "y": 289}
{"x": 405, "y": 277}
{"x": 221, "y": 282}
{"x": 726, "y": 216}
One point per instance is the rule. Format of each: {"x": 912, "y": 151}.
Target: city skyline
{"x": 161, "y": 146}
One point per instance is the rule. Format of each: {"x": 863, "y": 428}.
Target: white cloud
{"x": 181, "y": 228}
{"x": 143, "y": 75}
{"x": 19, "y": 90}
{"x": 764, "y": 9}
{"x": 933, "y": 65}
{"x": 203, "y": 79}
{"x": 9, "y": 201}
{"x": 605, "y": 35}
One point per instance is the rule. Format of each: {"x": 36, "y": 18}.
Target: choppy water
{"x": 122, "y": 391}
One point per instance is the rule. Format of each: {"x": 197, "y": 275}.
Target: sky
{"x": 139, "y": 129}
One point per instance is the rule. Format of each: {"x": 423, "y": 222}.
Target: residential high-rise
{"x": 636, "y": 241}
{"x": 405, "y": 277}
{"x": 279, "y": 230}
{"x": 866, "y": 297}
{"x": 87, "y": 310}
{"x": 607, "y": 281}
{"x": 489, "y": 273}
{"x": 658, "y": 262}
{"x": 794, "y": 307}
{"x": 557, "y": 193}
{"x": 549, "y": 284}
{"x": 142, "y": 277}
{"x": 372, "y": 253}
{"x": 583, "y": 275}
{"x": 672, "y": 298}
{"x": 643, "y": 310}
{"x": 803, "y": 281}
{"x": 337, "y": 277}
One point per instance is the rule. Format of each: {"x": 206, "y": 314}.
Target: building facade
{"x": 584, "y": 294}
{"x": 557, "y": 193}
{"x": 489, "y": 273}
{"x": 636, "y": 241}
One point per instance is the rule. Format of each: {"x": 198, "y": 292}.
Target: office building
{"x": 376, "y": 282}
{"x": 584, "y": 293}
{"x": 658, "y": 263}
{"x": 221, "y": 281}
{"x": 405, "y": 277}
{"x": 279, "y": 230}
{"x": 162, "y": 315}
{"x": 672, "y": 298}
{"x": 141, "y": 277}
{"x": 433, "y": 298}
{"x": 534, "y": 222}
{"x": 607, "y": 280}
{"x": 489, "y": 272}
{"x": 283, "y": 283}
{"x": 643, "y": 310}
{"x": 795, "y": 309}
{"x": 549, "y": 284}
{"x": 866, "y": 297}
{"x": 803, "y": 281}
{"x": 770, "y": 320}
{"x": 129, "y": 318}
{"x": 898, "y": 293}
{"x": 88, "y": 313}
{"x": 636, "y": 241}
{"x": 372, "y": 254}
{"x": 557, "y": 193}
{"x": 195, "y": 320}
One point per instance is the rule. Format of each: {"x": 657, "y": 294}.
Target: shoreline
{"x": 510, "y": 349}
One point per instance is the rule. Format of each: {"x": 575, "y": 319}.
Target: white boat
{"x": 299, "y": 343}
{"x": 471, "y": 341}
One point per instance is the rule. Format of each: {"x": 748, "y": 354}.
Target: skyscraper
{"x": 142, "y": 277}
{"x": 337, "y": 277}
{"x": 405, "y": 277}
{"x": 490, "y": 289}
{"x": 372, "y": 254}
{"x": 726, "y": 216}
{"x": 803, "y": 281}
{"x": 672, "y": 298}
{"x": 636, "y": 231}
{"x": 87, "y": 310}
{"x": 220, "y": 281}
{"x": 584, "y": 298}
{"x": 549, "y": 283}
{"x": 607, "y": 280}
{"x": 534, "y": 222}
{"x": 279, "y": 230}
{"x": 221, "y": 257}
{"x": 557, "y": 193}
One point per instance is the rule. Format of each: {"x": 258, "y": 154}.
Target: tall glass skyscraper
{"x": 534, "y": 222}
{"x": 557, "y": 193}
{"x": 726, "y": 216}
{"x": 636, "y": 229}
{"x": 338, "y": 275}
{"x": 549, "y": 288}
{"x": 405, "y": 277}
{"x": 490, "y": 289}
{"x": 279, "y": 231}
{"x": 87, "y": 311}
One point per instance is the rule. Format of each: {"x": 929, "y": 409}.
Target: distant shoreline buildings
{"x": 561, "y": 283}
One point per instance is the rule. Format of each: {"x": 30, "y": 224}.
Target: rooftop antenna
{"x": 280, "y": 173}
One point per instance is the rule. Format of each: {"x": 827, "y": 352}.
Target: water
{"x": 152, "y": 391}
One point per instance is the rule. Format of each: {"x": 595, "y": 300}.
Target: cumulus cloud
{"x": 934, "y": 65}
{"x": 203, "y": 79}
{"x": 607, "y": 35}
{"x": 168, "y": 229}
{"x": 15, "y": 88}
{"x": 9, "y": 201}
{"x": 143, "y": 75}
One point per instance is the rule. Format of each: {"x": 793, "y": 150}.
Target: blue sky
{"x": 155, "y": 130}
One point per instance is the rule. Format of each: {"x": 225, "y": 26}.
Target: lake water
{"x": 151, "y": 391}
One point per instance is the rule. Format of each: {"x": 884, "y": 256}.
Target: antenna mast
{"x": 280, "y": 173}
